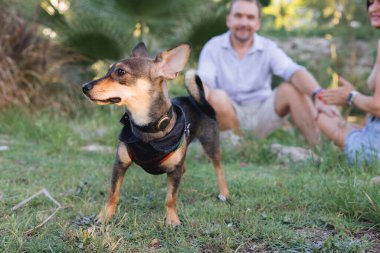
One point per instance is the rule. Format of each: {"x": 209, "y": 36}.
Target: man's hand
{"x": 339, "y": 95}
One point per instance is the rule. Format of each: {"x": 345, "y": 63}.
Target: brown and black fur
{"x": 139, "y": 83}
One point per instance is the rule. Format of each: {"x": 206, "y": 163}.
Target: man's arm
{"x": 207, "y": 65}
{"x": 304, "y": 81}
{"x": 283, "y": 66}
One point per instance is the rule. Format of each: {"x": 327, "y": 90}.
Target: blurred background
{"x": 48, "y": 48}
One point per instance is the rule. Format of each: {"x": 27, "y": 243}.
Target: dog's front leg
{"x": 122, "y": 163}
{"x": 174, "y": 179}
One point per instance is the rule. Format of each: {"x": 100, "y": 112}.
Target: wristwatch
{"x": 315, "y": 93}
{"x": 351, "y": 96}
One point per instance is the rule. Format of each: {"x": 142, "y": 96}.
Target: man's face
{"x": 243, "y": 20}
{"x": 374, "y": 13}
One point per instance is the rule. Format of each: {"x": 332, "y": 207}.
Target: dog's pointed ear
{"x": 140, "y": 50}
{"x": 169, "y": 63}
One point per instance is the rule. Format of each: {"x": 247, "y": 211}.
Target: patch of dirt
{"x": 4, "y": 148}
{"x": 372, "y": 236}
{"x": 95, "y": 147}
{"x": 253, "y": 247}
{"x": 5, "y": 140}
{"x": 375, "y": 180}
{"x": 99, "y": 132}
{"x": 317, "y": 236}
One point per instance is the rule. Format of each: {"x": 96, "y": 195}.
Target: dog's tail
{"x": 194, "y": 87}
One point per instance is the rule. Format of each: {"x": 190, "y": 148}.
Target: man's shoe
{"x": 230, "y": 138}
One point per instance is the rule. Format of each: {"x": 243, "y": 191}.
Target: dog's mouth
{"x": 113, "y": 100}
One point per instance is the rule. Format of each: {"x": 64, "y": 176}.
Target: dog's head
{"x": 136, "y": 81}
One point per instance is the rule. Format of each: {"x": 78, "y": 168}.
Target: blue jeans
{"x": 364, "y": 145}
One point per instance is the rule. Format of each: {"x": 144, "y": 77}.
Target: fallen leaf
{"x": 154, "y": 244}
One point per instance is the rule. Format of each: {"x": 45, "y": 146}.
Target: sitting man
{"x": 237, "y": 68}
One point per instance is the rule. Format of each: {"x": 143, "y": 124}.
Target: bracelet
{"x": 316, "y": 91}
{"x": 351, "y": 96}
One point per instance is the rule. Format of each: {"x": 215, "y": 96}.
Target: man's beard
{"x": 243, "y": 38}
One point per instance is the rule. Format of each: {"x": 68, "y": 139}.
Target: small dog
{"x": 157, "y": 130}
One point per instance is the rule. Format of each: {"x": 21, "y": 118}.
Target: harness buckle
{"x": 187, "y": 130}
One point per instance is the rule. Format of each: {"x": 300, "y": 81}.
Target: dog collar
{"x": 152, "y": 127}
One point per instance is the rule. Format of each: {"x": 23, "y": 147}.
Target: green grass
{"x": 311, "y": 206}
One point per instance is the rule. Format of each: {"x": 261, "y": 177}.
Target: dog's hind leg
{"x": 174, "y": 178}
{"x": 212, "y": 149}
{"x": 121, "y": 165}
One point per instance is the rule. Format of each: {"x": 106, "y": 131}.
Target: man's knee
{"x": 285, "y": 93}
{"x": 287, "y": 90}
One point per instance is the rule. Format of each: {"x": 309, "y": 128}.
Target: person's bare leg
{"x": 225, "y": 113}
{"x": 289, "y": 100}
{"x": 335, "y": 128}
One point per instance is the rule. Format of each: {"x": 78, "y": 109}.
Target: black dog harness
{"x": 149, "y": 155}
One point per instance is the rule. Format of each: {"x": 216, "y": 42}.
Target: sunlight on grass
{"x": 274, "y": 205}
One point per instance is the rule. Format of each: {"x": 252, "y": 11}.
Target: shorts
{"x": 261, "y": 118}
{"x": 363, "y": 145}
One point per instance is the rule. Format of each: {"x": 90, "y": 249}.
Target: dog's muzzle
{"x": 87, "y": 87}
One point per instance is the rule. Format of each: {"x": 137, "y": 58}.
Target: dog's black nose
{"x": 87, "y": 87}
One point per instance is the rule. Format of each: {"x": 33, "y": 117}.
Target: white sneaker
{"x": 229, "y": 137}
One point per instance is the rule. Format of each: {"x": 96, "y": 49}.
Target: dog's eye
{"x": 120, "y": 72}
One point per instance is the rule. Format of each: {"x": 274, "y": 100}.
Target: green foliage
{"x": 200, "y": 33}
{"x": 31, "y": 64}
{"x": 113, "y": 31}
{"x": 108, "y": 30}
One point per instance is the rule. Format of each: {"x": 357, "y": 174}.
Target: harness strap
{"x": 171, "y": 153}
{"x": 166, "y": 157}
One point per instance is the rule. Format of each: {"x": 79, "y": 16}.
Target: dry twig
{"x": 47, "y": 194}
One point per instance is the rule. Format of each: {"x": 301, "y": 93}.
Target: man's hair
{"x": 369, "y": 2}
{"x": 257, "y": 2}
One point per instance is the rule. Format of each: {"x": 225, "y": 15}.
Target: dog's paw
{"x": 173, "y": 220}
{"x": 222, "y": 197}
{"x": 174, "y": 224}
{"x": 99, "y": 219}
{"x": 102, "y": 218}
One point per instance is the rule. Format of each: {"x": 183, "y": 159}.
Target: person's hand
{"x": 339, "y": 95}
{"x": 329, "y": 110}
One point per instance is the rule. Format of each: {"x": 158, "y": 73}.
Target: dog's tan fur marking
{"x": 170, "y": 204}
{"x": 113, "y": 198}
{"x": 175, "y": 158}
{"x": 134, "y": 97}
{"x": 123, "y": 155}
{"x": 104, "y": 89}
{"x": 138, "y": 102}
